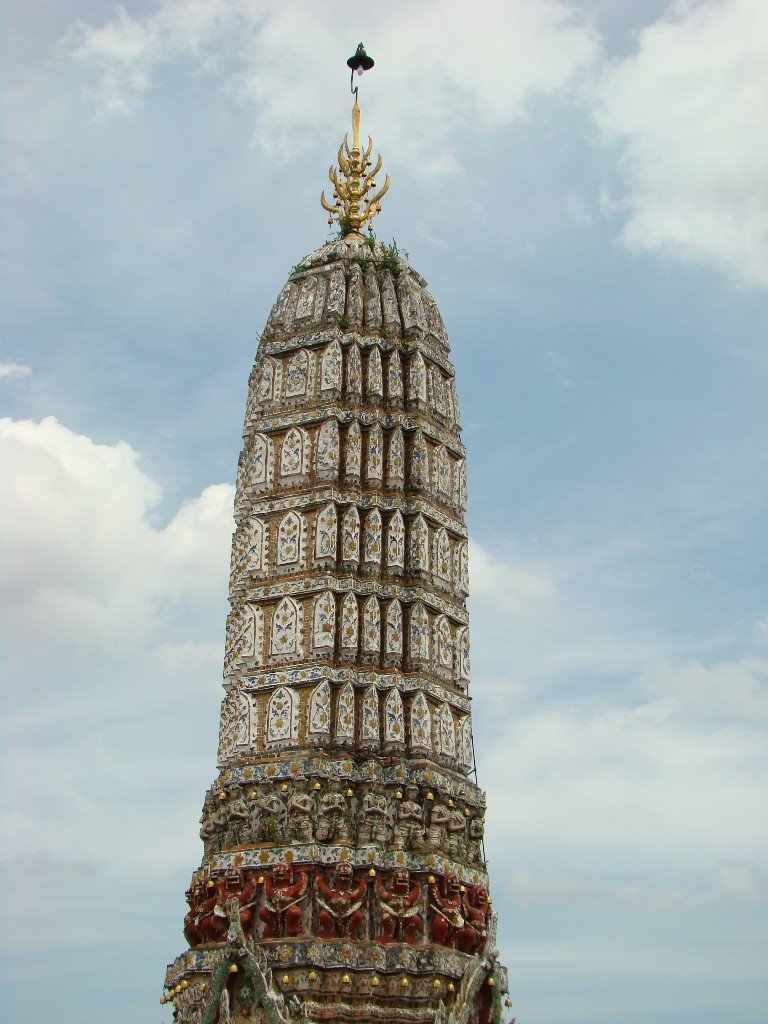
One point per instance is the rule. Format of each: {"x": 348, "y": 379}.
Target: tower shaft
{"x": 343, "y": 874}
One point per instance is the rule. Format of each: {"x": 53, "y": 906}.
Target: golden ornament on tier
{"x": 353, "y": 182}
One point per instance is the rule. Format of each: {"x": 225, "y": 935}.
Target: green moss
{"x": 392, "y": 259}
{"x": 345, "y": 226}
{"x": 273, "y": 828}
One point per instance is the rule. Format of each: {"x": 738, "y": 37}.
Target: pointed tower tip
{"x": 356, "y": 198}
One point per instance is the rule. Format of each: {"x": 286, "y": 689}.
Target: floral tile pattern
{"x": 396, "y": 541}
{"x": 319, "y": 716}
{"x": 326, "y": 529}
{"x": 324, "y": 622}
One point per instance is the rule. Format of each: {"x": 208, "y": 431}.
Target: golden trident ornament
{"x": 356, "y": 200}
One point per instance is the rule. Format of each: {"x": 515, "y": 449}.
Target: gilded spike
{"x": 356, "y": 199}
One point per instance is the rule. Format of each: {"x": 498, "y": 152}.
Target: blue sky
{"x": 584, "y": 185}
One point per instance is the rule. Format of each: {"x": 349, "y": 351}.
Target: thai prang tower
{"x": 343, "y": 876}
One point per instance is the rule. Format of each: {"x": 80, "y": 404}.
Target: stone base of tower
{"x": 286, "y": 981}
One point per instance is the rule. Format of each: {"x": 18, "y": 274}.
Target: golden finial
{"x": 356, "y": 199}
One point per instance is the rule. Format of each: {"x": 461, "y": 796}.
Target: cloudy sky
{"x": 585, "y": 186}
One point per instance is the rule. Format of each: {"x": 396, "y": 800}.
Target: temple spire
{"x": 356, "y": 199}
{"x": 343, "y": 875}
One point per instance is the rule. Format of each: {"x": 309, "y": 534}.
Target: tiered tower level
{"x": 343, "y": 875}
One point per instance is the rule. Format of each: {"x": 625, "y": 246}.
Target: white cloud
{"x": 84, "y": 563}
{"x": 181, "y": 658}
{"x": 14, "y": 370}
{"x": 442, "y": 70}
{"x": 505, "y": 587}
{"x": 604, "y": 741}
{"x": 127, "y": 50}
{"x": 113, "y": 625}
{"x": 761, "y": 632}
{"x": 647, "y": 779}
{"x": 725, "y": 691}
{"x": 688, "y": 114}
{"x": 685, "y": 112}
{"x": 741, "y": 881}
{"x": 530, "y": 889}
